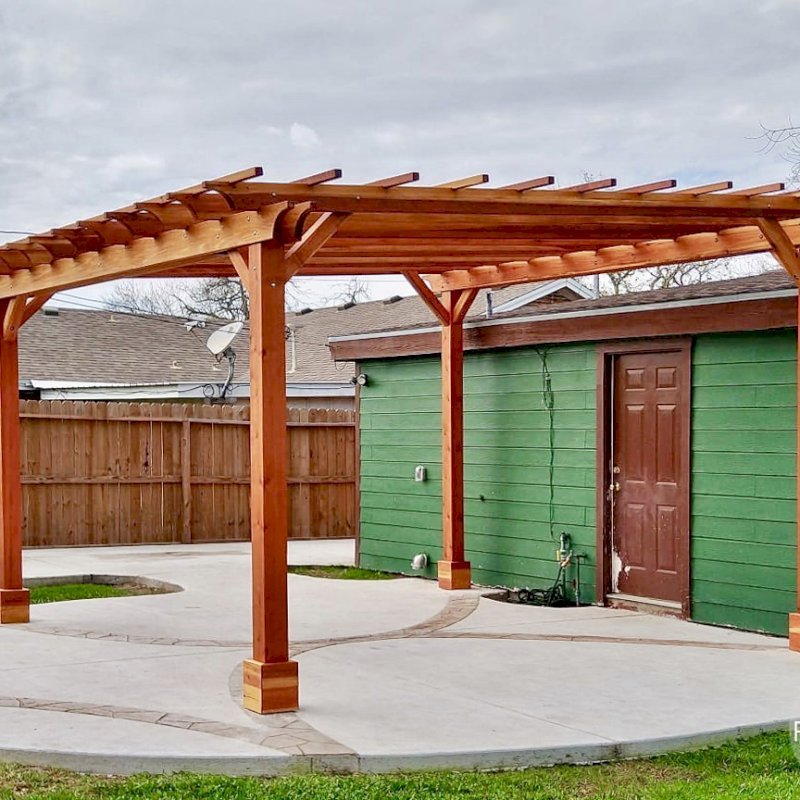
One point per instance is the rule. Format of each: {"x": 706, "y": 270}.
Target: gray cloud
{"x": 103, "y": 102}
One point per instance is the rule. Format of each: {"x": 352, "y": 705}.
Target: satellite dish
{"x": 220, "y": 339}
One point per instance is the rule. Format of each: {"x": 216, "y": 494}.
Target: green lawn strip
{"x": 762, "y": 768}
{"x": 342, "y": 573}
{"x": 76, "y": 591}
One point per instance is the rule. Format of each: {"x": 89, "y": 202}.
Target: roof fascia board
{"x": 593, "y": 312}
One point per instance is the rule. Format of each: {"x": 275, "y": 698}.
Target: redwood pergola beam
{"x": 591, "y": 186}
{"x": 532, "y": 183}
{"x": 454, "y": 571}
{"x": 482, "y": 201}
{"x": 314, "y": 239}
{"x": 14, "y": 598}
{"x": 396, "y": 180}
{"x": 320, "y": 177}
{"x": 692, "y": 247}
{"x": 239, "y": 261}
{"x": 464, "y": 183}
{"x": 428, "y": 297}
{"x": 784, "y": 249}
{"x": 173, "y": 248}
{"x": 270, "y": 677}
{"x": 647, "y": 188}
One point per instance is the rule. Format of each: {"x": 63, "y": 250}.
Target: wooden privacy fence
{"x": 146, "y": 473}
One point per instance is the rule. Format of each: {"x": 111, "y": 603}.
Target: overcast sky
{"x": 105, "y": 102}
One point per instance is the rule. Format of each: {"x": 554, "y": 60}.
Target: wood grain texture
{"x": 269, "y": 504}
{"x": 454, "y": 571}
{"x": 131, "y": 473}
{"x": 10, "y": 486}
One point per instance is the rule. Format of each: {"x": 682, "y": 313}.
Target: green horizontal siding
{"x": 743, "y": 534}
{"x": 506, "y": 463}
{"x": 744, "y": 530}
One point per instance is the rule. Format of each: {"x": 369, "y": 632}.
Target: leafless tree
{"x": 355, "y": 290}
{"x": 665, "y": 277}
{"x": 223, "y": 298}
{"x": 787, "y": 141}
{"x": 163, "y": 297}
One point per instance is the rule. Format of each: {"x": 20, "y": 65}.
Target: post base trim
{"x": 15, "y": 606}
{"x": 270, "y": 688}
{"x": 794, "y": 632}
{"x": 455, "y": 575}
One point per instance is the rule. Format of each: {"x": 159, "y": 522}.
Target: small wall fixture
{"x": 420, "y": 473}
{"x": 361, "y": 379}
{"x": 420, "y": 561}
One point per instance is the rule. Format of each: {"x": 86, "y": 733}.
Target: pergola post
{"x": 14, "y": 599}
{"x": 454, "y": 570}
{"x": 794, "y": 619}
{"x": 270, "y": 677}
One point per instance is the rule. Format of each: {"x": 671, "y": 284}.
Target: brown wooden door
{"x": 649, "y": 481}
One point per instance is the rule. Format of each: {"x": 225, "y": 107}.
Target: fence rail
{"x": 149, "y": 473}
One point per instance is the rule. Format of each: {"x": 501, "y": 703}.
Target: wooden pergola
{"x": 448, "y": 240}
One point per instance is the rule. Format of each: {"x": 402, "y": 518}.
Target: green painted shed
{"x": 656, "y": 429}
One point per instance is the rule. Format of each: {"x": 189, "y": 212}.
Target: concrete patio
{"x": 395, "y": 674}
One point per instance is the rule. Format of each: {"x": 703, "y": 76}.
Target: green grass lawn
{"x": 763, "y": 768}
{"x": 87, "y": 591}
{"x": 76, "y": 591}
{"x": 342, "y": 573}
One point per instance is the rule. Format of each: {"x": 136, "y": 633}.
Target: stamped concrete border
{"x": 287, "y": 733}
{"x": 278, "y": 766}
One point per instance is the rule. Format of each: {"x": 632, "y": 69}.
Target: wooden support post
{"x": 14, "y": 599}
{"x": 794, "y": 619}
{"x": 186, "y": 479}
{"x": 270, "y": 678}
{"x": 454, "y": 571}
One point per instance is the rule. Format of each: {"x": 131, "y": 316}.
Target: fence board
{"x": 148, "y": 473}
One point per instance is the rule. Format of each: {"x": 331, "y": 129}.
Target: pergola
{"x": 449, "y": 241}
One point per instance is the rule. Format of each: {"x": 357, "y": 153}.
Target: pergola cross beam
{"x": 171, "y": 249}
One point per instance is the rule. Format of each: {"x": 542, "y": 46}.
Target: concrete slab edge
{"x": 345, "y": 764}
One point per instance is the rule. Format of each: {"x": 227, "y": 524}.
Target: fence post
{"x": 186, "y": 477}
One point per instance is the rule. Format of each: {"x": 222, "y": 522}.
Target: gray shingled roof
{"x": 773, "y": 280}
{"x": 106, "y": 347}
{"x": 111, "y": 347}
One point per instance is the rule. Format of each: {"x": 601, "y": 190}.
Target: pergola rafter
{"x": 469, "y": 235}
{"x": 449, "y": 241}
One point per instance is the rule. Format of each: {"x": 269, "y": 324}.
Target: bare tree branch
{"x": 139, "y": 297}
{"x": 223, "y": 298}
{"x": 787, "y": 141}
{"x": 355, "y": 290}
{"x": 665, "y": 277}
